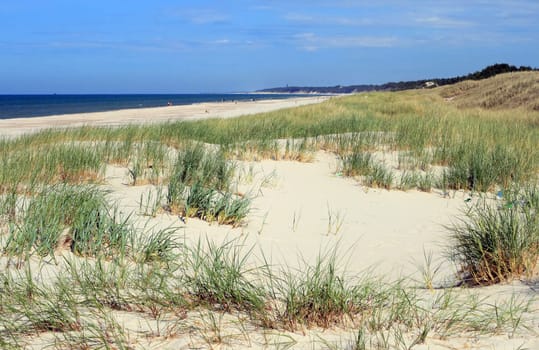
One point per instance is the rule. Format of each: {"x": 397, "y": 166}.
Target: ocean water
{"x": 27, "y": 106}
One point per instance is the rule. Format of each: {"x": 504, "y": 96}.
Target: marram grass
{"x": 76, "y": 218}
{"x": 496, "y": 242}
{"x": 82, "y": 304}
{"x": 471, "y": 143}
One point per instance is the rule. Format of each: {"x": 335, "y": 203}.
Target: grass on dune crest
{"x": 468, "y": 143}
{"x": 509, "y": 90}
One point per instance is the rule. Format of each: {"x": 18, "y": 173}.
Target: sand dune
{"x": 298, "y": 210}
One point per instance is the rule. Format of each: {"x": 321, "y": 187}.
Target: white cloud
{"x": 118, "y": 45}
{"x": 327, "y": 20}
{"x": 200, "y": 16}
{"x": 312, "y": 42}
{"x": 443, "y": 22}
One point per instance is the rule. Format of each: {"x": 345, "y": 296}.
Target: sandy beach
{"x": 299, "y": 211}
{"x": 18, "y": 126}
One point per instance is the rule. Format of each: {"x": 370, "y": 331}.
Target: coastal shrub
{"x": 494, "y": 243}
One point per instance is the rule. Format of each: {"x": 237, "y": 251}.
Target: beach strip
{"x": 19, "y": 126}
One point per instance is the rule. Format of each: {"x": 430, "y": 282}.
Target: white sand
{"x": 305, "y": 207}
{"x": 383, "y": 233}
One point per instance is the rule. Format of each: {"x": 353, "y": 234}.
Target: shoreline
{"x": 19, "y": 126}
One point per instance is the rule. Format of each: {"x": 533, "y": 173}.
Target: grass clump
{"x": 218, "y": 275}
{"x": 33, "y": 308}
{"x": 80, "y": 306}
{"x": 197, "y": 164}
{"x": 486, "y": 167}
{"x": 318, "y": 295}
{"x": 380, "y": 176}
{"x": 229, "y": 209}
{"x": 148, "y": 163}
{"x": 159, "y": 246}
{"x": 268, "y": 148}
{"x": 30, "y": 307}
{"x": 200, "y": 186}
{"x": 494, "y": 243}
{"x": 77, "y": 218}
{"x": 9, "y": 203}
{"x": 208, "y": 204}
{"x": 51, "y": 163}
{"x": 357, "y": 164}
{"x": 362, "y": 164}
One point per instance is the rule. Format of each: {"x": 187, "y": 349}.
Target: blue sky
{"x": 160, "y": 46}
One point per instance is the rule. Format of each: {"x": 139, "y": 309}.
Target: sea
{"x": 28, "y": 106}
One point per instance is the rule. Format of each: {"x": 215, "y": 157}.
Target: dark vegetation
{"x": 485, "y": 73}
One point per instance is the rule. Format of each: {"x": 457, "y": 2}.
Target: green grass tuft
{"x": 497, "y": 242}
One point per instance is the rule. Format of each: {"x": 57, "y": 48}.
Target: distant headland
{"x": 485, "y": 73}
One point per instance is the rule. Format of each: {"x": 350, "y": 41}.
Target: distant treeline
{"x": 487, "y": 72}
